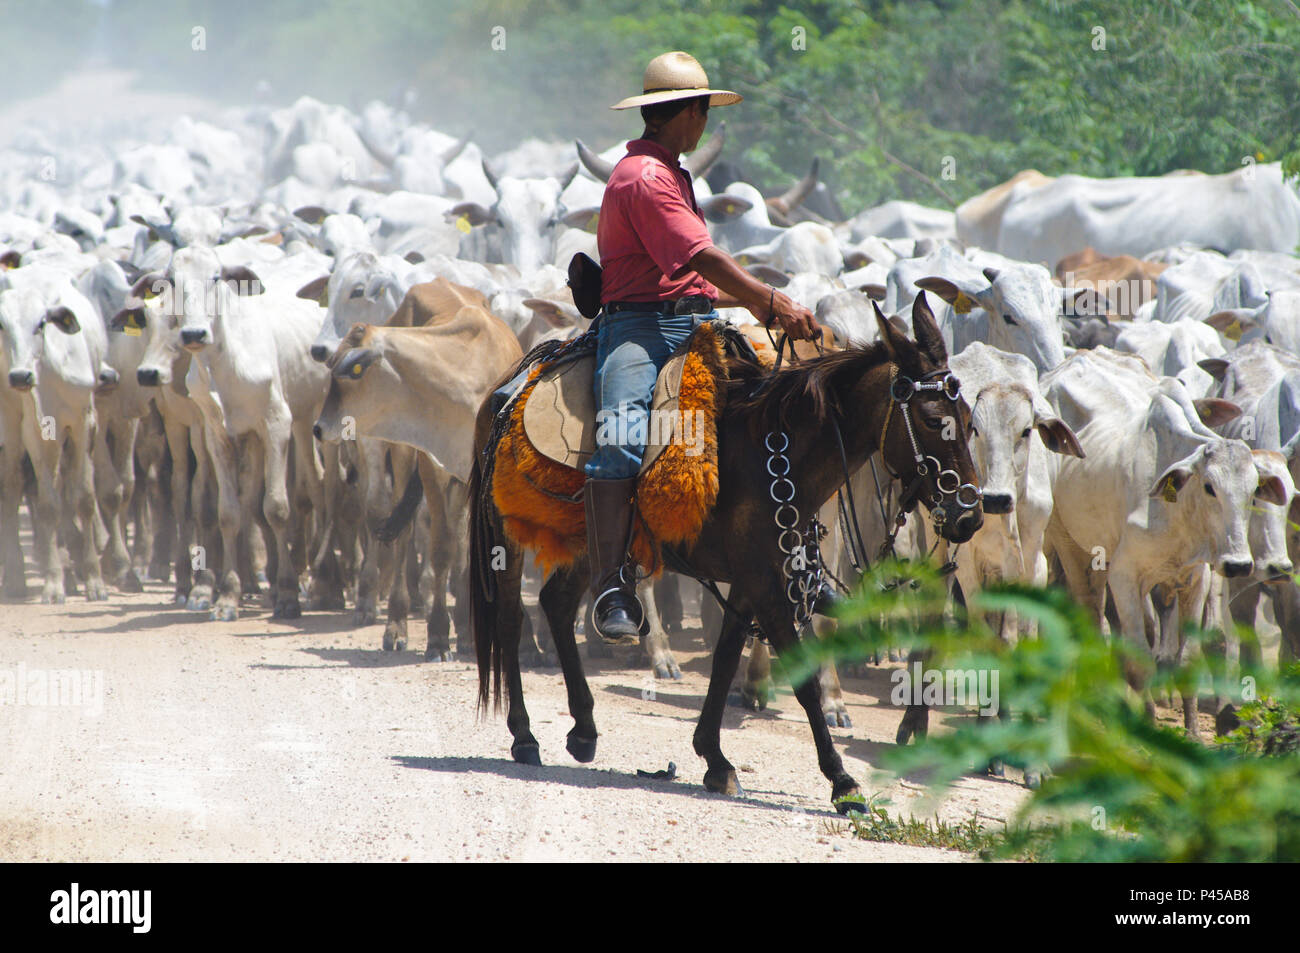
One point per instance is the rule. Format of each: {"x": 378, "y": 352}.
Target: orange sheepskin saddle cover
{"x": 538, "y": 477}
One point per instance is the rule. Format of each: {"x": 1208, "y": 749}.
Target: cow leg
{"x": 837, "y": 714}
{"x": 376, "y": 555}
{"x": 711, "y": 615}
{"x": 223, "y": 455}
{"x": 326, "y": 586}
{"x": 115, "y": 487}
{"x": 668, "y": 599}
{"x": 184, "y": 506}
{"x": 757, "y": 689}
{"x": 655, "y": 642}
{"x": 80, "y": 479}
{"x": 275, "y": 506}
{"x": 1129, "y": 606}
{"x": 559, "y": 600}
{"x": 399, "y": 595}
{"x": 11, "y": 493}
{"x": 45, "y": 462}
{"x": 441, "y": 553}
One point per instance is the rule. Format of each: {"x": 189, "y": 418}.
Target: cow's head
{"x": 359, "y": 378}
{"x": 528, "y": 213}
{"x": 1212, "y": 491}
{"x": 146, "y": 314}
{"x": 37, "y": 325}
{"x": 360, "y": 290}
{"x": 1024, "y": 308}
{"x": 201, "y": 294}
{"x": 1004, "y": 418}
{"x": 1269, "y": 519}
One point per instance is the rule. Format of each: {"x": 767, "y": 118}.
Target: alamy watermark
{"x": 937, "y": 687}
{"x": 661, "y": 427}
{"x": 53, "y": 688}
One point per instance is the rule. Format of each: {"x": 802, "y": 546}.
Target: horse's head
{"x": 925, "y": 440}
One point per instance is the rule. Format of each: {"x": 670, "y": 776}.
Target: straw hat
{"x": 676, "y": 75}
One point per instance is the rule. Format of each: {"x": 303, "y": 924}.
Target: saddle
{"x": 552, "y": 432}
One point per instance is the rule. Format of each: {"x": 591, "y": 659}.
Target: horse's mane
{"x": 808, "y": 386}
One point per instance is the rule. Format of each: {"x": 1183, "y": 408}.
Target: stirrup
{"x": 639, "y": 624}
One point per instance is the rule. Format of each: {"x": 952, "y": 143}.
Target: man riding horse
{"x": 662, "y": 277}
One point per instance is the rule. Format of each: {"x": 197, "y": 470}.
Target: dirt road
{"x": 262, "y": 740}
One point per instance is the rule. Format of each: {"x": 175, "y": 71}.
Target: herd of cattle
{"x": 234, "y": 350}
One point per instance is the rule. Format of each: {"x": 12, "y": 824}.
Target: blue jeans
{"x": 631, "y": 348}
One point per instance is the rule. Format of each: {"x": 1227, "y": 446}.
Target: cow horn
{"x": 381, "y": 155}
{"x": 706, "y": 155}
{"x": 794, "y": 196}
{"x": 597, "y": 166}
{"x": 491, "y": 177}
{"x": 456, "y": 149}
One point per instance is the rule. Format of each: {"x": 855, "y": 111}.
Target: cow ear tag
{"x": 463, "y": 224}
{"x": 1169, "y": 494}
{"x": 1233, "y": 331}
{"x": 963, "y": 303}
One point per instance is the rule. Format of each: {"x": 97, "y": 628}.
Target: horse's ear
{"x": 889, "y": 335}
{"x": 927, "y": 331}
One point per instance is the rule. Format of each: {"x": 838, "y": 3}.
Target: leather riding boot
{"x": 616, "y": 609}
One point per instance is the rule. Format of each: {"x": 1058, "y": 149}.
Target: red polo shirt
{"x": 649, "y": 228}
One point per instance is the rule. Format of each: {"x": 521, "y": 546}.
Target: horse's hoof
{"x": 904, "y": 734}
{"x": 527, "y": 754}
{"x": 582, "y": 749}
{"x": 847, "y": 796}
{"x": 723, "y": 782}
{"x": 997, "y": 769}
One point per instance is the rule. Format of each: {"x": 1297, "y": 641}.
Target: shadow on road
{"x": 594, "y": 778}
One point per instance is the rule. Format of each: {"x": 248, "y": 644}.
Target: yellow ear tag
{"x": 730, "y": 208}
{"x": 463, "y": 224}
{"x": 131, "y": 330}
{"x": 595, "y": 220}
{"x": 1170, "y": 494}
{"x": 742, "y": 259}
{"x": 357, "y": 369}
{"x": 963, "y": 303}
{"x": 1233, "y": 331}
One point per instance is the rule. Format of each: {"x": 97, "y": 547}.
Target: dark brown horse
{"x": 738, "y": 543}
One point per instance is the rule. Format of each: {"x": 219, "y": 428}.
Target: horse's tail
{"x": 484, "y": 607}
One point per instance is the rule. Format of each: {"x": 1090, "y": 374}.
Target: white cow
{"x": 1035, "y": 218}
{"x": 1158, "y": 501}
{"x": 53, "y": 355}
{"x": 250, "y": 374}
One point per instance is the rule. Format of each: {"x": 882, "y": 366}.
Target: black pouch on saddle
{"x": 584, "y": 282}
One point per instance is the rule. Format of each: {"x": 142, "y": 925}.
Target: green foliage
{"x": 1119, "y": 786}
{"x": 876, "y": 824}
{"x": 931, "y": 100}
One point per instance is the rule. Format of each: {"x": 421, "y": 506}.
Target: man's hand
{"x": 787, "y": 314}
{"x": 764, "y": 303}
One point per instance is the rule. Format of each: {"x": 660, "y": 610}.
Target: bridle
{"x": 945, "y": 484}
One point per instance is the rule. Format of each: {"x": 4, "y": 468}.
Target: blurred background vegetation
{"x": 882, "y": 90}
